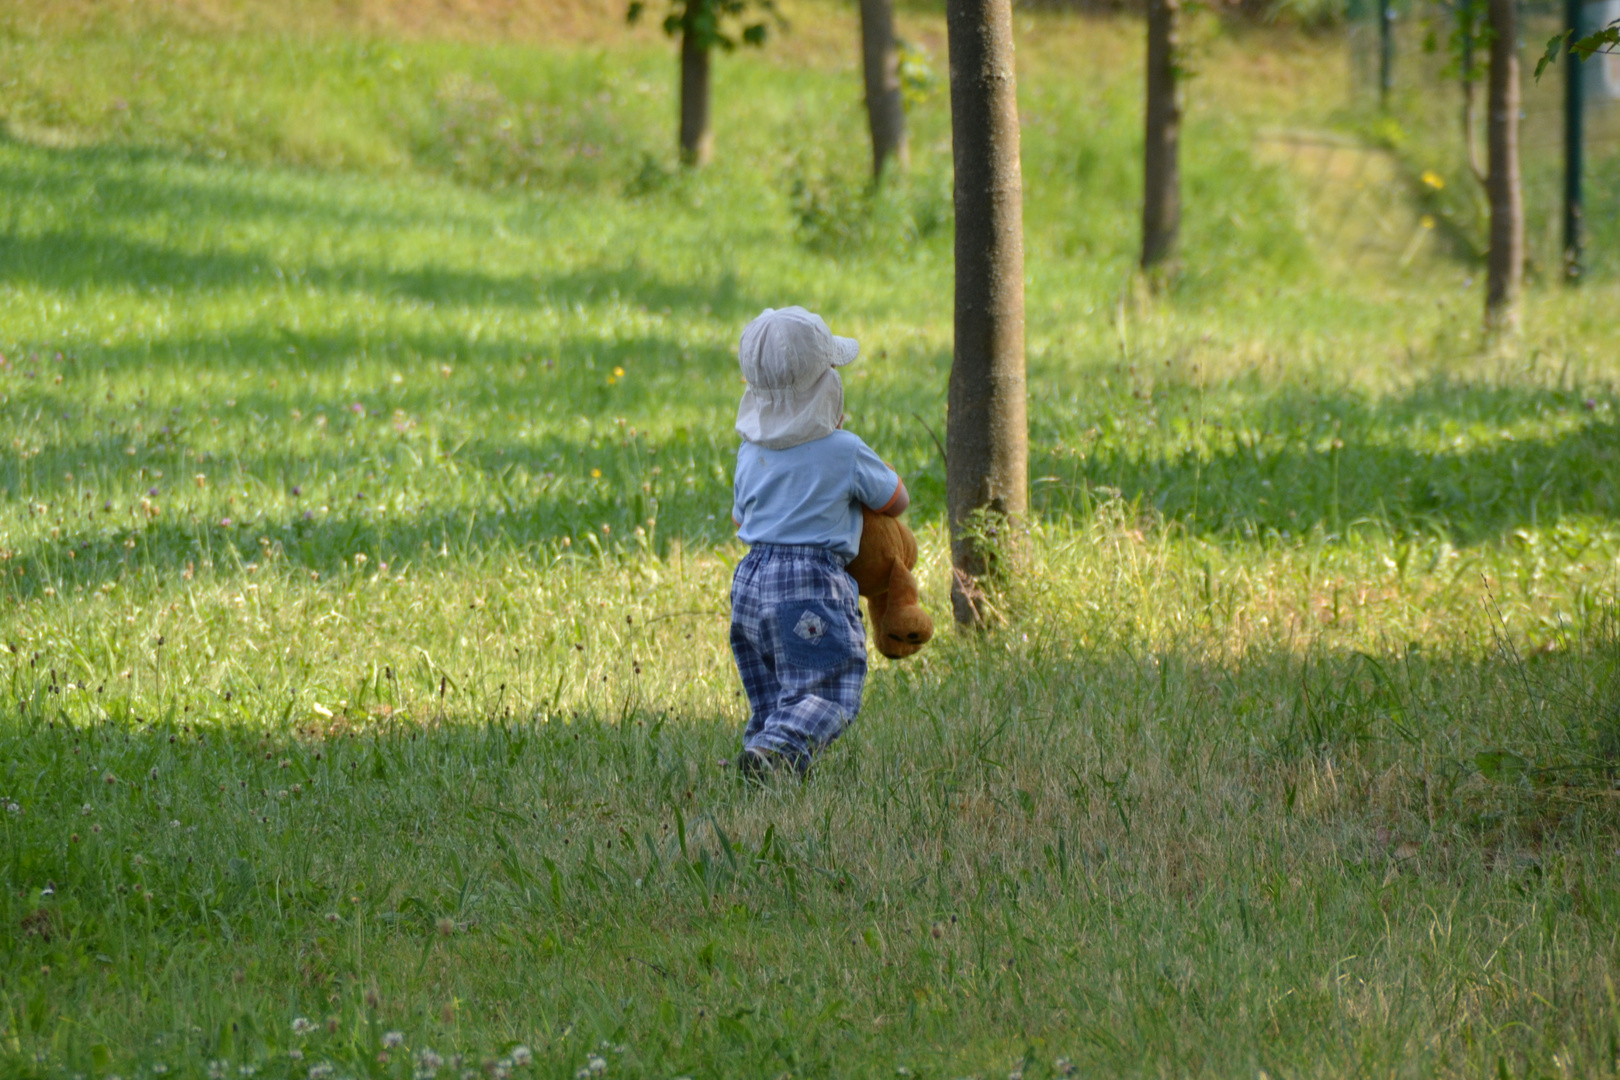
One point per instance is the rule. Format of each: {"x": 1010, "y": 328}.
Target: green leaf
{"x": 1605, "y": 40}
{"x": 1554, "y": 46}
{"x": 1500, "y": 765}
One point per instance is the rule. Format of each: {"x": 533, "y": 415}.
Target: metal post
{"x": 1574, "y": 86}
{"x": 1386, "y": 51}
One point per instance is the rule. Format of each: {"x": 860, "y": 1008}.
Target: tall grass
{"x": 367, "y": 402}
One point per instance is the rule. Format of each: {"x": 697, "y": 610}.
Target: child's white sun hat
{"x": 794, "y": 394}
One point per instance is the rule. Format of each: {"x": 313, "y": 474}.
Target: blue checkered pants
{"x": 800, "y": 645}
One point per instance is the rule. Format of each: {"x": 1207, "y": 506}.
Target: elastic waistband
{"x": 797, "y": 551}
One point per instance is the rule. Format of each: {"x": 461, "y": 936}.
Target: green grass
{"x": 364, "y": 550}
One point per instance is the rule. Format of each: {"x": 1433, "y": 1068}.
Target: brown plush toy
{"x": 882, "y": 570}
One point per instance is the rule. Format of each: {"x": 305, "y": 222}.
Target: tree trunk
{"x": 1505, "y": 267}
{"x": 697, "y": 141}
{"x": 1470, "y": 126}
{"x": 1161, "y": 174}
{"x": 986, "y": 436}
{"x": 1470, "y": 109}
{"x": 885, "y": 112}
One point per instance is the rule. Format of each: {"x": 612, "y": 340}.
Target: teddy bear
{"x": 882, "y": 570}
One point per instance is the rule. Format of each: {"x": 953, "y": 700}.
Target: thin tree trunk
{"x": 1505, "y": 267}
{"x": 1470, "y": 124}
{"x": 885, "y": 112}
{"x": 697, "y": 141}
{"x": 1161, "y": 175}
{"x": 1470, "y": 109}
{"x": 986, "y": 435}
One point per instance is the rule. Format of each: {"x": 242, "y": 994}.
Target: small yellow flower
{"x": 618, "y": 373}
{"x": 596, "y": 474}
{"x": 1427, "y": 221}
{"x": 1433, "y": 179}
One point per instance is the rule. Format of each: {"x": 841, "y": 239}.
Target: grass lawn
{"x": 365, "y": 447}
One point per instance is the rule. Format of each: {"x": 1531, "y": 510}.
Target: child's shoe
{"x": 760, "y": 767}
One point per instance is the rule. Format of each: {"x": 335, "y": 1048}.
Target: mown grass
{"x": 365, "y": 566}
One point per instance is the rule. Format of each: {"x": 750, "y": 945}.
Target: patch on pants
{"x": 815, "y": 634}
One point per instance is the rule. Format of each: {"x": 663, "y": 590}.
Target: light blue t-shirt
{"x": 811, "y": 493}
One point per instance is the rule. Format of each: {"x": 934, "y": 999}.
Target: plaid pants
{"x": 800, "y": 645}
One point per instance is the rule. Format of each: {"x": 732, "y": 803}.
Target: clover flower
{"x": 302, "y": 1025}
{"x": 392, "y": 1039}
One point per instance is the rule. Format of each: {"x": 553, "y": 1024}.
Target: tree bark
{"x": 697, "y": 140}
{"x": 885, "y": 112}
{"x": 1470, "y": 109}
{"x": 986, "y": 435}
{"x": 1161, "y": 173}
{"x": 1470, "y": 126}
{"x": 1505, "y": 265}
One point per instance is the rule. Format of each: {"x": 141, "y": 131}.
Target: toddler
{"x": 801, "y": 480}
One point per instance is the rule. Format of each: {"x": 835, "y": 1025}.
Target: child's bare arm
{"x": 896, "y": 505}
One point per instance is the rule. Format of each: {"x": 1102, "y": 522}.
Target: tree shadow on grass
{"x": 1440, "y": 459}
{"x": 128, "y": 185}
{"x": 67, "y": 261}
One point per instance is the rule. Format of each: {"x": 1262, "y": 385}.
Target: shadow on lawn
{"x": 1264, "y": 462}
{"x": 127, "y": 185}
{"x": 1466, "y": 497}
{"x": 1436, "y": 460}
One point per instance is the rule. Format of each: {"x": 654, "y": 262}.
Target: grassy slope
{"x": 368, "y": 400}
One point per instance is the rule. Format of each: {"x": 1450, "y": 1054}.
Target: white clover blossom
{"x": 392, "y": 1039}
{"x": 522, "y": 1055}
{"x": 295, "y": 1054}
{"x": 428, "y": 1060}
{"x": 302, "y": 1025}
{"x": 216, "y": 1069}
{"x": 596, "y": 1064}
{"x": 320, "y": 1072}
